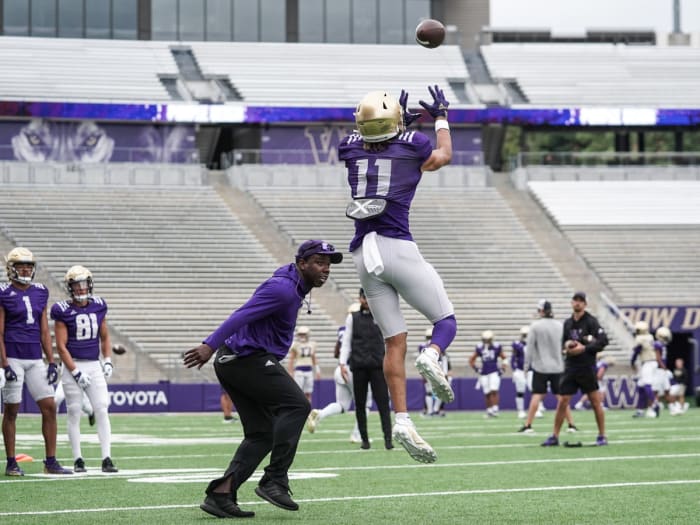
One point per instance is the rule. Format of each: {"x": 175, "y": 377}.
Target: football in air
{"x": 119, "y": 349}
{"x": 430, "y": 33}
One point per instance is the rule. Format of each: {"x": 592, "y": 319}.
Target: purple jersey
{"x": 265, "y": 323}
{"x": 392, "y": 174}
{"x": 601, "y": 367}
{"x": 661, "y": 348}
{"x": 489, "y": 357}
{"x": 83, "y": 324}
{"x": 517, "y": 358}
{"x": 23, "y": 311}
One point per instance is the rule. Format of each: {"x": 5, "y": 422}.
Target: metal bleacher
{"x": 282, "y": 73}
{"x": 67, "y": 69}
{"x": 612, "y": 75}
{"x": 493, "y": 270}
{"x": 641, "y": 237}
{"x": 172, "y": 263}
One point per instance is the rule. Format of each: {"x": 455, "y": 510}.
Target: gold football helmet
{"x": 487, "y": 336}
{"x": 379, "y": 117}
{"x": 303, "y": 330}
{"x": 429, "y": 332}
{"x": 78, "y": 274}
{"x": 641, "y": 327}
{"x": 524, "y": 331}
{"x": 663, "y": 334}
{"x": 20, "y": 256}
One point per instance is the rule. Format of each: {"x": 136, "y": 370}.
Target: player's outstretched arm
{"x": 442, "y": 154}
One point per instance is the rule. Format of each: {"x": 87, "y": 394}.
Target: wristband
{"x": 441, "y": 124}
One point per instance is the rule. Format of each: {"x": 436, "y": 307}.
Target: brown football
{"x": 430, "y": 33}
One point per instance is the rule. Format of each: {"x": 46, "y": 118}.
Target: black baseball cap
{"x": 544, "y": 305}
{"x": 318, "y": 247}
{"x": 579, "y": 296}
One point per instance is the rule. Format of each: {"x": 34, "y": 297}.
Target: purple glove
{"x": 10, "y": 374}
{"x": 52, "y": 374}
{"x": 439, "y": 106}
{"x": 408, "y": 117}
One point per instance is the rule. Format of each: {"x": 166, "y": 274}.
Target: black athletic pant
{"x": 361, "y": 377}
{"x": 273, "y": 411}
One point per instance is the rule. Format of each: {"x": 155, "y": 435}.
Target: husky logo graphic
{"x": 323, "y": 143}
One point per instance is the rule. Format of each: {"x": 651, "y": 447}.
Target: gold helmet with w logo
{"x": 379, "y": 117}
{"x": 16, "y": 256}
{"x": 78, "y": 274}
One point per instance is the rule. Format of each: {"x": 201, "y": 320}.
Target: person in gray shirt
{"x": 544, "y": 359}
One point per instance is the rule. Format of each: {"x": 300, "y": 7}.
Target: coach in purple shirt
{"x": 249, "y": 346}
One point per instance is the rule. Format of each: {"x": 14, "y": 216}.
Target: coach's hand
{"x": 198, "y": 356}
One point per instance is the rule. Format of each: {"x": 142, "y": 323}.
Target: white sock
{"x": 403, "y": 418}
{"x": 520, "y": 404}
{"x": 434, "y": 354}
{"x": 330, "y": 409}
{"x": 104, "y": 432}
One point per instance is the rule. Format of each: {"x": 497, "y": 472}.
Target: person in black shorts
{"x": 583, "y": 338}
{"x": 545, "y": 360}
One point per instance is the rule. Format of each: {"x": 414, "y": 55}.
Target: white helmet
{"x": 303, "y": 330}
{"x": 664, "y": 334}
{"x": 487, "y": 335}
{"x": 429, "y": 332}
{"x": 524, "y": 331}
{"x": 20, "y": 256}
{"x": 641, "y": 327}
{"x": 379, "y": 117}
{"x": 78, "y": 274}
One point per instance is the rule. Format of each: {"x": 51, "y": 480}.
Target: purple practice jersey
{"x": 489, "y": 357}
{"x": 265, "y": 323}
{"x": 392, "y": 174}
{"x": 517, "y": 359}
{"x": 83, "y": 324}
{"x": 661, "y": 348}
{"x": 23, "y": 310}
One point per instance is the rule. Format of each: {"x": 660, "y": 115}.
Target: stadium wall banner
{"x": 204, "y": 397}
{"x": 234, "y": 113}
{"x": 89, "y": 141}
{"x": 314, "y": 144}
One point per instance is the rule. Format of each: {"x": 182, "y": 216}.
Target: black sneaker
{"x": 388, "y": 444}
{"x": 108, "y": 466}
{"x": 365, "y": 445}
{"x": 526, "y": 429}
{"x": 91, "y": 419}
{"x": 276, "y": 494}
{"x": 223, "y": 506}
{"x": 79, "y": 465}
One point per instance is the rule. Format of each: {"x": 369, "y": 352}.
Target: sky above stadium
{"x": 574, "y": 16}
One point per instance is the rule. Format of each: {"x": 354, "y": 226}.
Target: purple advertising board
{"x": 319, "y": 144}
{"x": 177, "y": 397}
{"x": 88, "y": 141}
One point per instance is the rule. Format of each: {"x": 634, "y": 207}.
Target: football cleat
{"x": 522, "y": 414}
{"x": 312, "y": 421}
{"x": 91, "y": 419}
{"x": 526, "y": 429}
{"x": 601, "y": 441}
{"x": 13, "y": 470}
{"x": 224, "y": 506}
{"x": 433, "y": 373}
{"x": 79, "y": 465}
{"x": 416, "y": 446}
{"x": 551, "y": 441}
{"x": 277, "y": 494}
{"x": 572, "y": 428}
{"x": 108, "y": 466}
{"x": 355, "y": 437}
{"x": 55, "y": 468}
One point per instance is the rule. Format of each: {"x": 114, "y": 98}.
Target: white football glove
{"x": 82, "y": 380}
{"x": 107, "y": 368}
{"x": 2, "y": 380}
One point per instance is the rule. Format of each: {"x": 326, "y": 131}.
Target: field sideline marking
{"x": 375, "y": 496}
{"x": 145, "y": 473}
